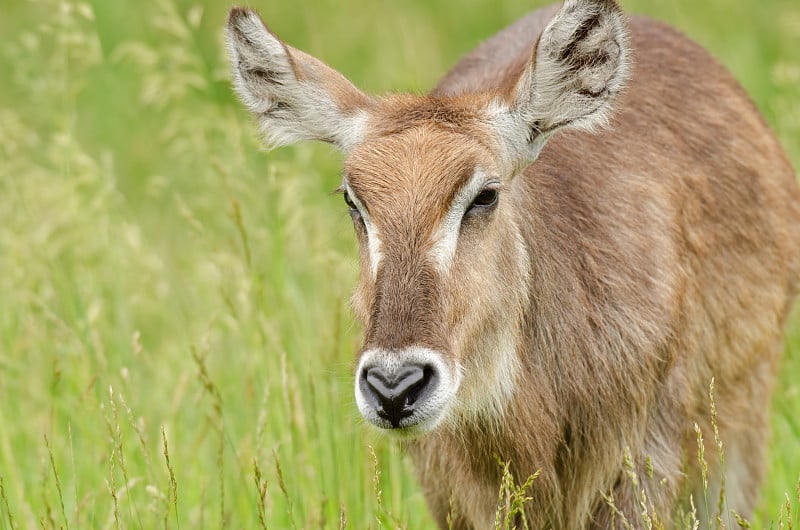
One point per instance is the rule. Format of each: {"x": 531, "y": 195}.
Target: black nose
{"x": 395, "y": 394}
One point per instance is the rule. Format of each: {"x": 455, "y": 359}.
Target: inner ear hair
{"x": 294, "y": 96}
{"x": 579, "y": 67}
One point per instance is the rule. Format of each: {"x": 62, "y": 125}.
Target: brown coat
{"x": 561, "y": 314}
{"x": 666, "y": 251}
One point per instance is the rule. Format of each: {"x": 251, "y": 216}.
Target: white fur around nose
{"x": 445, "y": 237}
{"x": 435, "y": 407}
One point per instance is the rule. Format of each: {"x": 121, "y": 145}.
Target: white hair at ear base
{"x": 580, "y": 65}
{"x": 294, "y": 96}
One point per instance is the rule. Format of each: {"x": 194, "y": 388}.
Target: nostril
{"x": 415, "y": 391}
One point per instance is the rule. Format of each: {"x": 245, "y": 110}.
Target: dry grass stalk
{"x": 172, "y": 488}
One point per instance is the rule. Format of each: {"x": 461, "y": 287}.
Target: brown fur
{"x": 663, "y": 252}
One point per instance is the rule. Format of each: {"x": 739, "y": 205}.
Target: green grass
{"x": 175, "y": 339}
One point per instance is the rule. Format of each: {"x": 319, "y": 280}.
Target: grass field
{"x": 175, "y": 338}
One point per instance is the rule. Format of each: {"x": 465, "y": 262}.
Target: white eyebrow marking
{"x": 445, "y": 237}
{"x": 374, "y": 245}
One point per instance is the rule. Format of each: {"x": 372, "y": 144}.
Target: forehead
{"x": 414, "y": 172}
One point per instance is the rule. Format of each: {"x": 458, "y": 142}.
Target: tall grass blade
{"x": 6, "y": 505}
{"x": 58, "y": 481}
{"x": 284, "y": 490}
{"x": 172, "y": 487}
{"x": 261, "y": 500}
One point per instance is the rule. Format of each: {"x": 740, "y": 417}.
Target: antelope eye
{"x": 485, "y": 200}
{"x": 349, "y": 202}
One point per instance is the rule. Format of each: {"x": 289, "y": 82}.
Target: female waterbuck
{"x": 561, "y": 245}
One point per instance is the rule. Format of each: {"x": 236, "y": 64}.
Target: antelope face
{"x": 429, "y": 184}
{"x": 442, "y": 272}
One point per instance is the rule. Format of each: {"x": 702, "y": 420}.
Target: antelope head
{"x": 429, "y": 184}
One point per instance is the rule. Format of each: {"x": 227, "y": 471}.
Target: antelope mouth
{"x": 407, "y": 392}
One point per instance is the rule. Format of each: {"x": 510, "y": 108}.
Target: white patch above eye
{"x": 374, "y": 245}
{"x": 445, "y": 237}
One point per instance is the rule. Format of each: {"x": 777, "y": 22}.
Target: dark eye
{"x": 485, "y": 200}
{"x": 349, "y": 202}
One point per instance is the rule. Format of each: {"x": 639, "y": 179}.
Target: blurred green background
{"x": 168, "y": 287}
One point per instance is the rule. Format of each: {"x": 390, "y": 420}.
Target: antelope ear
{"x": 293, "y": 95}
{"x": 578, "y": 68}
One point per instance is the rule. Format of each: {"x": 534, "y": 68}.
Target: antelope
{"x": 561, "y": 244}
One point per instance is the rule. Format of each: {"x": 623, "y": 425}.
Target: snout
{"x": 408, "y": 390}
